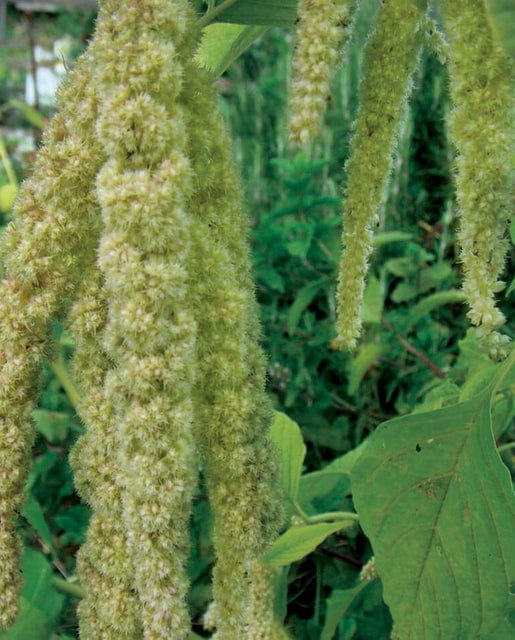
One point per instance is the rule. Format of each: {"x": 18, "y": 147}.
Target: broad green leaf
{"x": 373, "y": 300}
{"x": 286, "y": 435}
{"x": 299, "y": 541}
{"x": 501, "y": 14}
{"x": 222, "y": 43}
{"x": 30, "y": 114}
{"x": 34, "y": 515}
{"x": 7, "y": 196}
{"x": 427, "y": 304}
{"x": 40, "y": 603}
{"x": 436, "y": 502}
{"x": 339, "y": 604}
{"x": 303, "y": 299}
{"x": 367, "y": 356}
{"x": 273, "y": 13}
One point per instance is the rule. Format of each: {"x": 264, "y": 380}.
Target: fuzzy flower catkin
{"x": 44, "y": 249}
{"x": 150, "y": 333}
{"x": 390, "y": 58}
{"x": 321, "y": 34}
{"x": 110, "y": 608}
{"x": 232, "y": 412}
{"x": 481, "y": 127}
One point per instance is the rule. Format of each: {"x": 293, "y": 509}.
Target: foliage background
{"x": 415, "y": 352}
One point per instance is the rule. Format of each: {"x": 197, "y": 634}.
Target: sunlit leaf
{"x": 222, "y": 43}
{"x": 7, "y": 196}
{"x": 286, "y": 435}
{"x": 32, "y": 115}
{"x": 299, "y": 541}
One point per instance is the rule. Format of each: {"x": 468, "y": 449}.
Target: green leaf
{"x": 436, "y": 502}
{"x": 303, "y": 299}
{"x": 299, "y": 247}
{"x": 345, "y": 463}
{"x": 270, "y": 277}
{"x": 222, "y": 43}
{"x": 316, "y": 486}
{"x": 401, "y": 267}
{"x": 373, "y": 300}
{"x": 287, "y": 437}
{"x": 367, "y": 356}
{"x": 427, "y": 304}
{"x": 501, "y": 14}
{"x": 7, "y": 196}
{"x": 34, "y": 515}
{"x": 388, "y": 237}
{"x": 272, "y": 13}
{"x": 74, "y": 522}
{"x": 299, "y": 541}
{"x": 30, "y": 114}
{"x": 40, "y": 603}
{"x": 339, "y": 603}
{"x": 403, "y": 292}
{"x": 52, "y": 425}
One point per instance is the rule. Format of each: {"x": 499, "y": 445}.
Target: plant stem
{"x": 413, "y": 350}
{"x": 333, "y": 516}
{"x": 69, "y": 588}
{"x": 341, "y": 556}
{"x": 506, "y": 447}
{"x": 209, "y": 16}
{"x": 62, "y": 375}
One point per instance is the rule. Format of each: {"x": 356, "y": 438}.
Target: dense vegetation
{"x": 416, "y": 354}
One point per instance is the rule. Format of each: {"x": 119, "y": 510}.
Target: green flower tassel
{"x": 481, "y": 127}
{"x": 390, "y": 58}
{"x": 44, "y": 250}
{"x": 150, "y": 334}
{"x": 322, "y": 31}
{"x": 110, "y": 608}
{"x": 233, "y": 413}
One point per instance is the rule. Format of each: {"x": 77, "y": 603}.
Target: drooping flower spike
{"x": 110, "y": 607}
{"x": 390, "y": 58}
{"x": 150, "y": 333}
{"x": 481, "y": 127}
{"x": 44, "y": 249}
{"x": 233, "y": 413}
{"x": 322, "y": 31}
